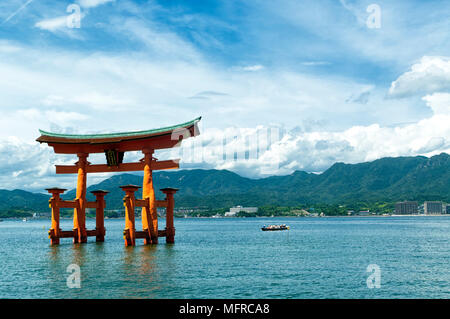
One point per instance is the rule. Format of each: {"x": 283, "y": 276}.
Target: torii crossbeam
{"x": 114, "y": 146}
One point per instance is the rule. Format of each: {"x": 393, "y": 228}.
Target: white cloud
{"x": 63, "y": 118}
{"x": 71, "y": 22}
{"x": 31, "y": 166}
{"x": 431, "y": 74}
{"x": 253, "y": 68}
{"x": 317, "y": 150}
{"x": 94, "y": 99}
{"x": 26, "y": 163}
{"x": 92, "y": 3}
{"x": 68, "y": 26}
{"x": 438, "y": 102}
{"x": 52, "y": 24}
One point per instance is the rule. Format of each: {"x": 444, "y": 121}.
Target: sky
{"x": 280, "y": 85}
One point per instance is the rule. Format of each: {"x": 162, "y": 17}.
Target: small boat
{"x": 274, "y": 227}
{"x": 24, "y": 220}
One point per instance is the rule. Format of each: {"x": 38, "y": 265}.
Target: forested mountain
{"x": 387, "y": 179}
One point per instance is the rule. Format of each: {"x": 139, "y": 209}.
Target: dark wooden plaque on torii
{"x": 114, "y": 145}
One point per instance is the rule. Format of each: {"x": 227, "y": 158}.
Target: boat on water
{"x": 274, "y": 227}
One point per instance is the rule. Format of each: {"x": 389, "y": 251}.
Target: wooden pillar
{"x": 170, "y": 229}
{"x": 100, "y": 214}
{"x": 55, "y": 232}
{"x": 149, "y": 215}
{"x": 79, "y": 217}
{"x": 129, "y": 233}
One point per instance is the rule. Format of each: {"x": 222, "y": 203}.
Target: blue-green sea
{"x": 232, "y": 258}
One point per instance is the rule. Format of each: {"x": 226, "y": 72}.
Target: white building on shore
{"x": 234, "y": 210}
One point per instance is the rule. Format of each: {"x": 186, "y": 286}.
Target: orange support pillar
{"x": 79, "y": 217}
{"x": 100, "y": 214}
{"x": 170, "y": 229}
{"x": 129, "y": 233}
{"x": 55, "y": 232}
{"x": 149, "y": 215}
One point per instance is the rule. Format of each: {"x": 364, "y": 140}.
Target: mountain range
{"x": 387, "y": 179}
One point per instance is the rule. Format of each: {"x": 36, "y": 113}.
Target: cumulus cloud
{"x": 438, "y": 102}
{"x": 431, "y": 74}
{"x": 24, "y": 164}
{"x": 240, "y": 150}
{"x": 29, "y": 165}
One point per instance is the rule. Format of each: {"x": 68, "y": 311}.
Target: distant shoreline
{"x": 266, "y": 217}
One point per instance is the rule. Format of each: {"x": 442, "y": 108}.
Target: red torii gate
{"x": 114, "y": 146}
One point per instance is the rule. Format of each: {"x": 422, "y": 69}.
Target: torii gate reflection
{"x": 114, "y": 146}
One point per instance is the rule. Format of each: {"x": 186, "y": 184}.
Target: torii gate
{"x": 114, "y": 146}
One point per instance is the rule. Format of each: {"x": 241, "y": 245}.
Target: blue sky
{"x": 227, "y": 33}
{"x": 334, "y": 88}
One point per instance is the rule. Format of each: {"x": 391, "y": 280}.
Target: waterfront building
{"x": 234, "y": 210}
{"x": 42, "y": 215}
{"x": 407, "y": 208}
{"x": 447, "y": 209}
{"x": 433, "y": 207}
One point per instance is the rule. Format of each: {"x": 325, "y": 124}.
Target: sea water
{"x": 331, "y": 257}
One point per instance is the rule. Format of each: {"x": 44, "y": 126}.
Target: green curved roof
{"x": 122, "y": 134}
